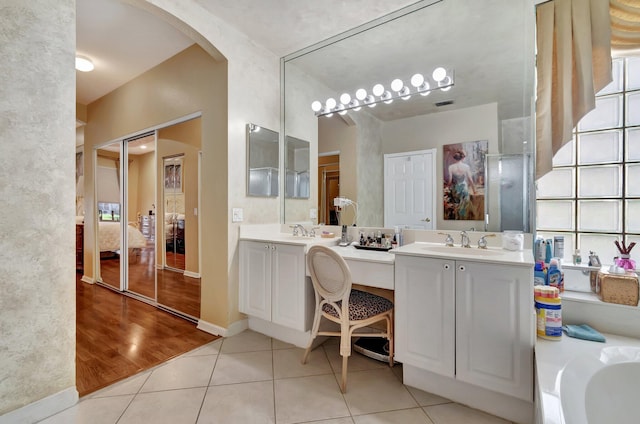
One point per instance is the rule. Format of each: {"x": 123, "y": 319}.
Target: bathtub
{"x": 602, "y": 388}
{"x": 580, "y": 382}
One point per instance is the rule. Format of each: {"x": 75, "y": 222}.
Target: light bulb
{"x": 329, "y": 115}
{"x": 331, "y": 103}
{"x": 256, "y": 128}
{"x": 424, "y": 89}
{"x": 445, "y": 83}
{"x": 439, "y": 74}
{"x": 386, "y": 97}
{"x": 316, "y": 106}
{"x": 341, "y": 110}
{"x": 405, "y": 93}
{"x": 397, "y": 84}
{"x": 355, "y": 104}
{"x": 417, "y": 80}
{"x": 361, "y": 94}
{"x": 345, "y": 98}
{"x": 377, "y": 90}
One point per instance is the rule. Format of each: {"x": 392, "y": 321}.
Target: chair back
{"x": 330, "y": 273}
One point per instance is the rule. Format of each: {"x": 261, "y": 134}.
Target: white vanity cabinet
{"x": 273, "y": 286}
{"x": 470, "y": 321}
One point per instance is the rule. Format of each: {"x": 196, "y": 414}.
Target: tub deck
{"x": 551, "y": 357}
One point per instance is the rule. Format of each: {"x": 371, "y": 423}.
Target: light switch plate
{"x": 313, "y": 213}
{"x": 236, "y": 215}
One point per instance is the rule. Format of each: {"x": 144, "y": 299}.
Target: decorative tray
{"x": 377, "y": 248}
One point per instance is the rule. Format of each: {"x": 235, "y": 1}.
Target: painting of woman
{"x": 464, "y": 180}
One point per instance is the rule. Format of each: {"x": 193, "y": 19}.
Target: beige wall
{"x": 198, "y": 84}
{"x": 37, "y": 163}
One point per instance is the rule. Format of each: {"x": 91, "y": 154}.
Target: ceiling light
{"x": 144, "y": 146}
{"x": 316, "y": 106}
{"x": 361, "y": 94}
{"x": 84, "y": 64}
{"x": 417, "y": 80}
{"x": 331, "y": 103}
{"x": 345, "y": 98}
{"x": 397, "y": 84}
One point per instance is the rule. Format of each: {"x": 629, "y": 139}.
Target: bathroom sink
{"x": 473, "y": 251}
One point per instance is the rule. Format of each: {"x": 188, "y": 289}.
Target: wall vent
{"x": 444, "y": 103}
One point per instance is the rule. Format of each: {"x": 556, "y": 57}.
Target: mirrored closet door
{"x": 108, "y": 175}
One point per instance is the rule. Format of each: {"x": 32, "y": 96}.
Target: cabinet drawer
{"x": 372, "y": 274}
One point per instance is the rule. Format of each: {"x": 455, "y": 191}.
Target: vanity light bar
{"x": 441, "y": 79}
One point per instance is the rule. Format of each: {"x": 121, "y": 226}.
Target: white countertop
{"x": 489, "y": 255}
{"x": 273, "y": 234}
{"x": 350, "y": 252}
{"x": 553, "y": 356}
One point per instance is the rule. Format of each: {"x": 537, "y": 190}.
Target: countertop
{"x": 350, "y": 252}
{"x": 489, "y": 255}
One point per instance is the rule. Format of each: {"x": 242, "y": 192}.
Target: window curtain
{"x": 625, "y": 27}
{"x": 573, "y": 62}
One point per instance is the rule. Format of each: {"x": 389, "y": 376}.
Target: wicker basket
{"x": 619, "y": 288}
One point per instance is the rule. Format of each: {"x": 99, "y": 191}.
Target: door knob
{"x": 426, "y": 220}
{"x": 446, "y": 266}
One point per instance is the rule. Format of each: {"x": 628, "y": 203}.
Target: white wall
{"x": 434, "y": 131}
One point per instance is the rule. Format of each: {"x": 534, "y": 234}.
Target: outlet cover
{"x": 236, "y": 215}
{"x": 313, "y": 213}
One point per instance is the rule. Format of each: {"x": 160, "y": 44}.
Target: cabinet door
{"x": 425, "y": 313}
{"x": 494, "y": 327}
{"x": 289, "y": 288}
{"x": 255, "y": 279}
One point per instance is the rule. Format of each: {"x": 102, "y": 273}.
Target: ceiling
{"x": 124, "y": 42}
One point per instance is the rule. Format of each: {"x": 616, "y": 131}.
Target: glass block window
{"x": 592, "y": 196}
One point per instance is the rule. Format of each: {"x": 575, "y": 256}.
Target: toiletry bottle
{"x": 554, "y": 275}
{"x": 539, "y": 276}
{"x": 558, "y": 247}
{"x": 539, "y": 250}
{"x": 548, "y": 252}
{"x": 398, "y": 235}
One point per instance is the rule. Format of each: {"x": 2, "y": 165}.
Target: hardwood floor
{"x": 117, "y": 336}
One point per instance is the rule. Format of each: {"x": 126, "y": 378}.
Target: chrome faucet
{"x": 464, "y": 239}
{"x": 449, "y": 240}
{"x": 296, "y": 227}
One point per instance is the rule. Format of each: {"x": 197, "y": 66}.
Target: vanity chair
{"x": 351, "y": 309}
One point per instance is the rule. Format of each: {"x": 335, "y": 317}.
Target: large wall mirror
{"x": 486, "y": 47}
{"x": 297, "y": 183}
{"x": 263, "y": 157}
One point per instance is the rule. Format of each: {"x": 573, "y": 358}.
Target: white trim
{"x": 334, "y": 152}
{"x": 191, "y": 274}
{"x": 87, "y": 279}
{"x": 285, "y": 334}
{"x": 42, "y": 408}
{"x": 233, "y": 329}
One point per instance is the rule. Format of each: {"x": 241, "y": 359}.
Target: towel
{"x": 583, "y": 332}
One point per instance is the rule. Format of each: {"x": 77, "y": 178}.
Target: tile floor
{"x": 252, "y": 378}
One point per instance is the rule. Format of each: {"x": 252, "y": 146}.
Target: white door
{"x": 425, "y": 313}
{"x": 494, "y": 325}
{"x": 409, "y": 189}
{"x": 255, "y": 279}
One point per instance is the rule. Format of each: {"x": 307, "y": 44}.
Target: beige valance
{"x": 573, "y": 63}
{"x": 625, "y": 27}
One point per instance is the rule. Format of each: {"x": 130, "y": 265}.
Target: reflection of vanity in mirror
{"x": 263, "y": 161}
{"x": 490, "y": 100}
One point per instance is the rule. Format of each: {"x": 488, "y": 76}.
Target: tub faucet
{"x": 464, "y": 239}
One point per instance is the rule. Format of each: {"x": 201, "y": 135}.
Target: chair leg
{"x": 343, "y": 384}
{"x": 314, "y": 334}
{"x": 390, "y": 338}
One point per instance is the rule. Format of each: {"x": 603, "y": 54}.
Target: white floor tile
{"x": 308, "y": 399}
{"x": 243, "y": 368}
{"x": 247, "y": 341}
{"x": 181, "y": 373}
{"x": 344, "y": 420}
{"x": 405, "y": 416}
{"x": 288, "y": 363}
{"x": 168, "y": 407}
{"x": 453, "y": 413}
{"x": 92, "y": 411}
{"x": 279, "y": 344}
{"x": 357, "y": 362}
{"x": 425, "y": 398}
{"x": 376, "y": 391}
{"x": 130, "y": 386}
{"x": 239, "y": 403}
{"x": 212, "y": 348}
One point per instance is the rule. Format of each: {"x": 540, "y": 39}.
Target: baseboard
{"x": 288, "y": 335}
{"x": 87, "y": 279}
{"x": 233, "y": 329}
{"x": 192, "y": 274}
{"x": 43, "y": 408}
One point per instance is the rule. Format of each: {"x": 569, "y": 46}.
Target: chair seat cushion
{"x": 362, "y": 305}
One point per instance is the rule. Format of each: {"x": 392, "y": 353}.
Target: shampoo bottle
{"x": 554, "y": 275}
{"x": 539, "y": 276}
